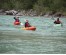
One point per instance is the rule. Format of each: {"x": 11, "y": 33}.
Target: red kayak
{"x": 16, "y": 23}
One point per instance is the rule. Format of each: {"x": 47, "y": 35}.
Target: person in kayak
{"x": 16, "y": 19}
{"x": 57, "y": 21}
{"x": 27, "y": 24}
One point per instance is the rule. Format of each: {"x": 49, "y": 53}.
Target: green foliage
{"x": 41, "y": 6}
{"x": 38, "y": 5}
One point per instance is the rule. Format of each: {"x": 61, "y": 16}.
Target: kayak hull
{"x": 30, "y": 28}
{"x": 57, "y": 25}
{"x": 16, "y": 23}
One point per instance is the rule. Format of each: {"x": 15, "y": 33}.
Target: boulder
{"x": 11, "y": 12}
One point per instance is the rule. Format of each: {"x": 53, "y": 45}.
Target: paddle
{"x": 52, "y": 18}
{"x": 61, "y": 24}
{"x": 21, "y": 24}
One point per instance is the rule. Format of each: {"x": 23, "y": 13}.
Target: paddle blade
{"x": 21, "y": 24}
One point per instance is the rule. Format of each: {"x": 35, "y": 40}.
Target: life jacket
{"x": 27, "y": 24}
{"x": 57, "y": 22}
{"x": 17, "y": 20}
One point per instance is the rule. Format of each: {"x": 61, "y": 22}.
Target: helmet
{"x": 17, "y": 17}
{"x": 26, "y": 20}
{"x": 57, "y": 18}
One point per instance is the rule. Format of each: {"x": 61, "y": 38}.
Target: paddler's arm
{"x": 14, "y": 18}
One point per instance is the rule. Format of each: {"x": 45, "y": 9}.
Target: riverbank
{"x": 32, "y": 13}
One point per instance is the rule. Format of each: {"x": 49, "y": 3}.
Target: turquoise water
{"x": 46, "y": 39}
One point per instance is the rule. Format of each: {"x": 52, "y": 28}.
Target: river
{"x": 47, "y": 39}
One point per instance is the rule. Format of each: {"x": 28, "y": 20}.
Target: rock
{"x": 11, "y": 12}
{"x": 2, "y": 12}
{"x": 8, "y": 13}
{"x": 19, "y": 14}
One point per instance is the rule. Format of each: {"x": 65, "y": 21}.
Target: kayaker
{"x": 27, "y": 24}
{"x": 57, "y": 21}
{"x": 16, "y": 19}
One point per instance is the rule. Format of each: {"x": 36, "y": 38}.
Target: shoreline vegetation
{"x": 31, "y": 13}
{"x": 55, "y": 8}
